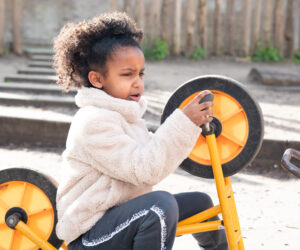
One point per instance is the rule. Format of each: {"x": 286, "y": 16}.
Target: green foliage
{"x": 297, "y": 57}
{"x": 199, "y": 53}
{"x": 267, "y": 54}
{"x": 158, "y": 51}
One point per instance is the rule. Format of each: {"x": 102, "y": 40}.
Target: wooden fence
{"x": 230, "y": 27}
{"x": 17, "y": 18}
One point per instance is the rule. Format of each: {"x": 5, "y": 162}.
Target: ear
{"x": 95, "y": 79}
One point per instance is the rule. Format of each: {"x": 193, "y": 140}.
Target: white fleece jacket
{"x": 111, "y": 157}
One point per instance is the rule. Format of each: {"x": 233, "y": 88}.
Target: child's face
{"x": 125, "y": 74}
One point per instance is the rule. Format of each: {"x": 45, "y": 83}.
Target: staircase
{"x": 34, "y": 111}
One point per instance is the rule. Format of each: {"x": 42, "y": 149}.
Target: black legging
{"x": 149, "y": 222}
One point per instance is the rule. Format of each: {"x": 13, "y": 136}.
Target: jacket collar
{"x": 131, "y": 110}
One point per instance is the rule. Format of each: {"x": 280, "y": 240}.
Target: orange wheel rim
{"x": 37, "y": 206}
{"x": 235, "y": 129}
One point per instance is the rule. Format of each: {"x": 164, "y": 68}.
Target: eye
{"x": 126, "y": 74}
{"x": 142, "y": 74}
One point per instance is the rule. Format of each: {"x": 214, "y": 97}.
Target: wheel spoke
{"x": 3, "y": 225}
{"x": 12, "y": 240}
{"x": 236, "y": 141}
{"x": 41, "y": 211}
{"x": 23, "y": 194}
{"x": 3, "y": 205}
{"x": 227, "y": 117}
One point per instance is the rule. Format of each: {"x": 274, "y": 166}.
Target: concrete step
{"x": 49, "y": 101}
{"x": 39, "y": 51}
{"x": 31, "y": 78}
{"x": 37, "y": 126}
{"x": 40, "y": 64}
{"x": 41, "y": 58}
{"x": 36, "y": 71}
{"x": 45, "y": 98}
{"x": 24, "y": 99}
{"x": 34, "y": 126}
{"x": 34, "y": 88}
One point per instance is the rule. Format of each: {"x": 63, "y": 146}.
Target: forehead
{"x": 127, "y": 57}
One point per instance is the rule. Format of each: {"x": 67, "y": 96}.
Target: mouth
{"x": 135, "y": 97}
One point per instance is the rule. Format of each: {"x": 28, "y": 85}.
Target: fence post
{"x": 114, "y": 5}
{"x": 217, "y": 27}
{"x": 267, "y": 28}
{"x": 229, "y": 24}
{"x": 289, "y": 29}
{"x": 155, "y": 27}
{"x": 279, "y": 26}
{"x": 257, "y": 23}
{"x": 202, "y": 24}
{"x": 190, "y": 27}
{"x": 246, "y": 28}
{"x": 165, "y": 11}
{"x": 177, "y": 27}
{"x": 127, "y": 7}
{"x": 299, "y": 26}
{"x": 140, "y": 14}
{"x": 2, "y": 20}
{"x": 17, "y": 26}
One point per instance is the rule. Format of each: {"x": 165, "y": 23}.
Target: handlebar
{"x": 208, "y": 98}
{"x": 286, "y": 161}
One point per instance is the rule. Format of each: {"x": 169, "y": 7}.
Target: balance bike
{"x": 229, "y": 143}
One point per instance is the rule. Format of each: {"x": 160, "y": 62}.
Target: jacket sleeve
{"x": 117, "y": 155}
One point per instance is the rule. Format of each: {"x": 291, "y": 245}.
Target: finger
{"x": 207, "y": 119}
{"x": 207, "y": 112}
{"x": 205, "y": 105}
{"x": 200, "y": 96}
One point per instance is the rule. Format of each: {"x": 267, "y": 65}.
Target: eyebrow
{"x": 131, "y": 69}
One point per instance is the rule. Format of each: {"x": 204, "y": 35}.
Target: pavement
{"x": 268, "y": 198}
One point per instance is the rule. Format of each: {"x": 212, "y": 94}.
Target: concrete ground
{"x": 268, "y": 207}
{"x": 268, "y": 204}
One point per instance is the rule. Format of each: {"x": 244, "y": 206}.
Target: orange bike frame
{"x": 227, "y": 206}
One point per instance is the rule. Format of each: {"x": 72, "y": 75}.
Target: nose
{"x": 139, "y": 81}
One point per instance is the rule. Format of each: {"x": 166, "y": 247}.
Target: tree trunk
{"x": 165, "y": 11}
{"x": 246, "y": 28}
{"x": 177, "y": 27}
{"x": 230, "y": 23}
{"x": 289, "y": 29}
{"x": 18, "y": 26}
{"x": 279, "y": 25}
{"x": 2, "y": 20}
{"x": 217, "y": 27}
{"x": 202, "y": 24}
{"x": 268, "y": 17}
{"x": 113, "y": 5}
{"x": 155, "y": 19}
{"x": 257, "y": 23}
{"x": 190, "y": 27}
{"x": 140, "y": 14}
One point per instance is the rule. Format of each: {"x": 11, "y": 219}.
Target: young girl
{"x": 105, "y": 199}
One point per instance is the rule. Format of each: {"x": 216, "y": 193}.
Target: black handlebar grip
{"x": 208, "y": 98}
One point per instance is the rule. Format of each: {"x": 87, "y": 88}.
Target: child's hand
{"x": 198, "y": 112}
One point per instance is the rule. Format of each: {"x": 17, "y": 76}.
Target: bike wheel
{"x": 33, "y": 195}
{"x": 238, "y": 119}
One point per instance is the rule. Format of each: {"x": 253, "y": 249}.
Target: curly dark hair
{"x": 80, "y": 48}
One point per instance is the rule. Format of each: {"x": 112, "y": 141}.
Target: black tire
{"x": 40, "y": 181}
{"x": 252, "y": 110}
